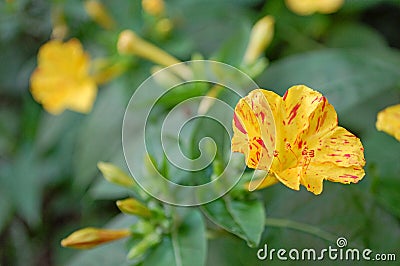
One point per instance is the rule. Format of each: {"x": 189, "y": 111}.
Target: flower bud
{"x": 153, "y": 7}
{"x": 98, "y": 12}
{"x": 60, "y": 28}
{"x": 115, "y": 175}
{"x": 91, "y": 237}
{"x": 130, "y": 43}
{"x": 134, "y": 207}
{"x": 260, "y": 37}
{"x": 308, "y": 7}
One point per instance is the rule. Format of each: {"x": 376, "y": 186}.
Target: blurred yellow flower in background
{"x": 308, "y": 7}
{"x": 389, "y": 121}
{"x": 61, "y": 80}
{"x": 308, "y": 146}
{"x": 153, "y": 7}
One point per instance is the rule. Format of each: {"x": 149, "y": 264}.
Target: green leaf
{"x": 345, "y": 76}
{"x": 186, "y": 245}
{"x": 244, "y": 218}
{"x": 354, "y": 35}
{"x": 22, "y": 181}
{"x": 100, "y": 136}
{"x": 5, "y": 210}
{"x": 382, "y": 153}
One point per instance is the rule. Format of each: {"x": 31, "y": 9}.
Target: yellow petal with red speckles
{"x": 340, "y": 147}
{"x": 316, "y": 173}
{"x": 309, "y": 146}
{"x": 254, "y": 131}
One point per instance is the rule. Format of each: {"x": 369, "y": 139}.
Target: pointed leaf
{"x": 244, "y": 218}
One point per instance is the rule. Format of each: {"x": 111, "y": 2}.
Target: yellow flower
{"x": 308, "y": 147}
{"x": 61, "y": 80}
{"x": 91, "y": 237}
{"x": 308, "y": 7}
{"x": 389, "y": 121}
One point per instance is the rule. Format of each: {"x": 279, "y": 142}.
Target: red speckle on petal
{"x": 347, "y": 155}
{"x": 284, "y": 96}
{"x": 300, "y": 143}
{"x": 349, "y": 176}
{"x": 333, "y": 154}
{"x": 316, "y": 98}
{"x": 262, "y": 116}
{"x": 293, "y": 113}
{"x": 238, "y": 124}
{"x": 324, "y": 103}
{"x": 338, "y": 161}
{"x": 261, "y": 142}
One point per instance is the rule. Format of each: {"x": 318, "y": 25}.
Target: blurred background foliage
{"x": 49, "y": 182}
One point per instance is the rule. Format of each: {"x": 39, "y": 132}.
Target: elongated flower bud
{"x": 260, "y": 37}
{"x": 91, "y": 237}
{"x": 98, "y": 12}
{"x": 130, "y": 43}
{"x": 115, "y": 175}
{"x": 134, "y": 207}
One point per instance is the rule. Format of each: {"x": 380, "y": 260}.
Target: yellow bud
{"x": 91, "y": 237}
{"x": 308, "y": 7}
{"x": 130, "y": 43}
{"x": 164, "y": 26}
{"x": 153, "y": 7}
{"x": 98, "y": 12}
{"x": 115, "y": 175}
{"x": 260, "y": 37}
{"x": 134, "y": 207}
{"x": 60, "y": 28}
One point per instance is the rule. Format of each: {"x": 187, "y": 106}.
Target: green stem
{"x": 306, "y": 228}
